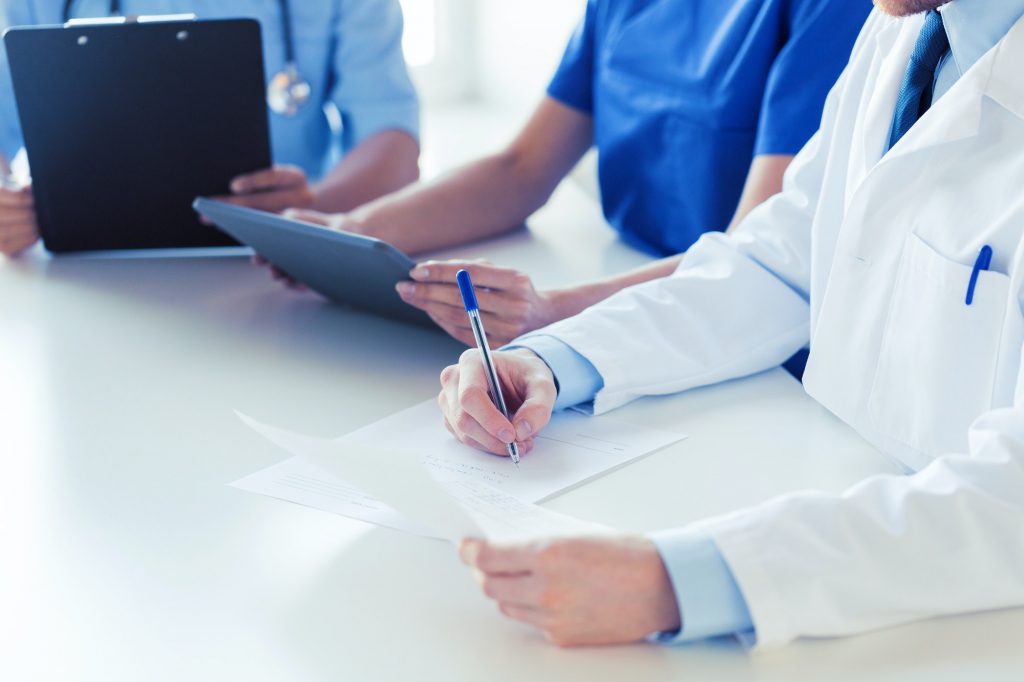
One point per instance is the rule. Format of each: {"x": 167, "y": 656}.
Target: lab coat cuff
{"x": 710, "y": 602}
{"x": 604, "y": 360}
{"x": 577, "y": 379}
{"x": 741, "y": 546}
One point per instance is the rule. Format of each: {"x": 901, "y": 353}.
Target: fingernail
{"x": 524, "y": 430}
{"x": 506, "y": 436}
{"x": 406, "y": 288}
{"x": 421, "y": 273}
{"x": 468, "y": 550}
{"x": 237, "y": 187}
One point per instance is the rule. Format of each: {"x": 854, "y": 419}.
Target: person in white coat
{"x": 896, "y": 250}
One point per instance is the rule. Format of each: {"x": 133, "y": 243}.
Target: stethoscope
{"x": 288, "y": 92}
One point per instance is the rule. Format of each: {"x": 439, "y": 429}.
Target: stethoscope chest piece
{"x": 288, "y": 92}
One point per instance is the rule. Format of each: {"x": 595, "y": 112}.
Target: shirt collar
{"x": 975, "y": 26}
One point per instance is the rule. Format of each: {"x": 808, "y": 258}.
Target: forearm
{"x": 381, "y": 164}
{"x": 571, "y": 301}
{"x": 492, "y": 195}
{"x": 764, "y": 180}
{"x": 485, "y": 198}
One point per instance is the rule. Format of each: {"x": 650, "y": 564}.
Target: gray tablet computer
{"x": 126, "y": 124}
{"x": 344, "y": 267}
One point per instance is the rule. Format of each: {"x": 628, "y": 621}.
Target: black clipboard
{"x": 126, "y": 124}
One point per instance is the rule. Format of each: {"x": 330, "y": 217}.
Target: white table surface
{"x": 124, "y": 555}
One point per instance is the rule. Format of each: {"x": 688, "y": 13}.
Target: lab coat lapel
{"x": 874, "y": 119}
{"x": 1004, "y": 84}
{"x": 955, "y": 116}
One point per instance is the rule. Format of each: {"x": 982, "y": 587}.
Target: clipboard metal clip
{"x": 130, "y": 19}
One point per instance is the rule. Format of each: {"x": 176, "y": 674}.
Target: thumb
{"x": 304, "y": 216}
{"x": 535, "y": 412}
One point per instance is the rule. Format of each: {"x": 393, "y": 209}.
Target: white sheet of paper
{"x": 333, "y": 475}
{"x": 571, "y": 450}
{"x": 345, "y": 475}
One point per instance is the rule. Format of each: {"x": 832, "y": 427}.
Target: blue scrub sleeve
{"x": 573, "y": 82}
{"x": 578, "y": 380}
{"x": 11, "y": 14}
{"x": 372, "y": 88}
{"x": 710, "y": 601}
{"x": 821, "y": 37}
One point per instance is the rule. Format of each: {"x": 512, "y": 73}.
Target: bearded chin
{"x": 904, "y": 8}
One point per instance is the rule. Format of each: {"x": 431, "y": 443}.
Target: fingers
{"x": 13, "y": 244}
{"x": 307, "y": 216}
{"x": 471, "y": 414}
{"x": 460, "y": 333}
{"x": 493, "y": 559}
{"x": 277, "y": 177}
{"x": 500, "y": 303}
{"x": 538, "y": 618}
{"x": 18, "y": 228}
{"x": 20, "y": 199}
{"x": 461, "y": 424}
{"x": 520, "y": 590}
{"x": 475, "y": 400}
{"x": 13, "y": 220}
{"x": 278, "y": 274}
{"x": 454, "y": 321}
{"x": 483, "y": 274}
{"x": 273, "y": 201}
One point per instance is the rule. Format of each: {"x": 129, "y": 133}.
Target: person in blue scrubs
{"x": 350, "y": 53}
{"x": 695, "y": 108}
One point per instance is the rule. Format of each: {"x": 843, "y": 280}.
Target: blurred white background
{"x": 480, "y": 67}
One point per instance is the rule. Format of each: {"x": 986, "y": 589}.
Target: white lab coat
{"x": 869, "y": 259}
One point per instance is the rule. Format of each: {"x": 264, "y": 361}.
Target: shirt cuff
{"x": 710, "y": 601}
{"x": 577, "y": 379}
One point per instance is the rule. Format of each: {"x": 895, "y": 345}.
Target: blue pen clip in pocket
{"x": 983, "y": 262}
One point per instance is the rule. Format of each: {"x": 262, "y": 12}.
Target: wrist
{"x": 571, "y": 301}
{"x": 665, "y": 616}
{"x": 559, "y": 304}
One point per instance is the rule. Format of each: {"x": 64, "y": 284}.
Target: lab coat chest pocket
{"x": 939, "y": 357}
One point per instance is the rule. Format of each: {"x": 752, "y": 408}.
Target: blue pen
{"x": 983, "y": 262}
{"x": 473, "y": 310}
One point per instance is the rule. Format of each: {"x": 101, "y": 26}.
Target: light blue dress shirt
{"x": 350, "y": 51}
{"x": 710, "y": 601}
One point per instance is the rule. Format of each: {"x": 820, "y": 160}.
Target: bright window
{"x": 420, "y": 39}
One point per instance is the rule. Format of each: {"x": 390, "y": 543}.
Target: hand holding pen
{"x": 473, "y": 398}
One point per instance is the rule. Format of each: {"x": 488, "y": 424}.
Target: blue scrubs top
{"x": 350, "y": 51}
{"x": 684, "y": 93}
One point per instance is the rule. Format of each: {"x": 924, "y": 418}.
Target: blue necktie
{"x": 916, "y": 92}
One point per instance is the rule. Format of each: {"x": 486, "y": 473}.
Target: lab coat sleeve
{"x": 892, "y": 549}
{"x": 737, "y": 304}
{"x": 577, "y": 380}
{"x": 11, "y": 14}
{"x": 372, "y": 88}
